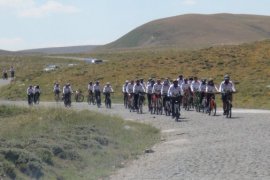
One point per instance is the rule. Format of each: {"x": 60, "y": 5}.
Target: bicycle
{"x": 98, "y": 98}
{"x": 79, "y": 97}
{"x": 158, "y": 104}
{"x": 153, "y": 107}
{"x": 196, "y": 100}
{"x": 140, "y": 103}
{"x": 57, "y": 97}
{"x": 126, "y": 100}
{"x": 186, "y": 104}
{"x": 167, "y": 105}
{"x": 36, "y": 97}
{"x": 30, "y": 99}
{"x": 212, "y": 106}
{"x": 130, "y": 102}
{"x": 67, "y": 99}
{"x": 228, "y": 104}
{"x": 108, "y": 102}
{"x": 176, "y": 101}
{"x": 90, "y": 98}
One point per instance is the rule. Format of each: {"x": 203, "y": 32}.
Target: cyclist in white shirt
{"x": 226, "y": 88}
{"x": 149, "y": 92}
{"x": 211, "y": 89}
{"x": 137, "y": 89}
{"x": 164, "y": 91}
{"x": 174, "y": 93}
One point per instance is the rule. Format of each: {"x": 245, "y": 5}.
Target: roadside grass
{"x": 63, "y": 144}
{"x": 247, "y": 64}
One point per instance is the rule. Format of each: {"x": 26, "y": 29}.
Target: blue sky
{"x": 29, "y": 24}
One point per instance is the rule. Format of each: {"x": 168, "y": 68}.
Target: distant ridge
{"x": 61, "y": 50}
{"x": 196, "y": 31}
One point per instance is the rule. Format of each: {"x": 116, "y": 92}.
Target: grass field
{"x": 247, "y": 64}
{"x": 61, "y": 144}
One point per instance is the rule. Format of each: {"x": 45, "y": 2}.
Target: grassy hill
{"x": 248, "y": 65}
{"x": 196, "y": 31}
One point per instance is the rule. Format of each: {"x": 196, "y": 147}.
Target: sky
{"x": 28, "y": 24}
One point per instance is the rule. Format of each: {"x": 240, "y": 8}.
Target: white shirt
{"x": 107, "y": 89}
{"x": 96, "y": 88}
{"x": 226, "y": 87}
{"x": 129, "y": 88}
{"x": 202, "y": 87}
{"x": 90, "y": 87}
{"x": 124, "y": 90}
{"x": 56, "y": 88}
{"x": 185, "y": 87}
{"x": 67, "y": 89}
{"x": 180, "y": 81}
{"x": 149, "y": 89}
{"x": 211, "y": 89}
{"x": 174, "y": 91}
{"x": 29, "y": 91}
{"x": 164, "y": 89}
{"x": 138, "y": 88}
{"x": 195, "y": 86}
{"x": 157, "y": 88}
{"x": 37, "y": 90}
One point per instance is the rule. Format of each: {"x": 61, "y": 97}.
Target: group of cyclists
{"x": 94, "y": 93}
{"x": 162, "y": 96}
{"x": 188, "y": 92}
{"x": 33, "y": 94}
{"x": 5, "y": 73}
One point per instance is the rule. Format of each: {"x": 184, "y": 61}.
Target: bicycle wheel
{"x": 80, "y": 98}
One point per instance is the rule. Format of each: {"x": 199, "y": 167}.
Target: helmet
{"x": 37, "y": 86}
{"x": 175, "y": 81}
{"x": 126, "y": 81}
{"x": 97, "y": 82}
{"x": 132, "y": 81}
{"x": 158, "y": 80}
{"x": 107, "y": 83}
{"x": 90, "y": 82}
{"x": 137, "y": 81}
{"x": 180, "y": 76}
{"x": 226, "y": 77}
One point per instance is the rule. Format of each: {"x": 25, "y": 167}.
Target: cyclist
{"x": 174, "y": 93}
{"x": 149, "y": 91}
{"x": 202, "y": 90}
{"x": 195, "y": 85}
{"x": 5, "y": 74}
{"x": 90, "y": 92}
{"x": 156, "y": 91}
{"x": 124, "y": 91}
{"x": 211, "y": 89}
{"x": 56, "y": 89}
{"x": 97, "y": 90}
{"x": 180, "y": 79}
{"x": 30, "y": 94}
{"x": 12, "y": 72}
{"x": 226, "y": 87}
{"x": 138, "y": 88}
{"x": 142, "y": 82}
{"x": 190, "y": 80}
{"x": 67, "y": 91}
{"x": 186, "y": 90}
{"x": 107, "y": 90}
{"x": 149, "y": 81}
{"x": 164, "y": 90}
{"x": 37, "y": 93}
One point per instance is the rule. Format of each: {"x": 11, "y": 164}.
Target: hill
{"x": 61, "y": 50}
{"x": 196, "y": 31}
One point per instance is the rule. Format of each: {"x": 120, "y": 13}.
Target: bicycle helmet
{"x": 226, "y": 77}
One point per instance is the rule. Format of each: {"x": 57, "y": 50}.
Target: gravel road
{"x": 198, "y": 147}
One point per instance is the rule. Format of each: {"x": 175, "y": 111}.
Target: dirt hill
{"x": 196, "y": 31}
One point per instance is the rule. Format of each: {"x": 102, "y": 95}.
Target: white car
{"x": 50, "y": 67}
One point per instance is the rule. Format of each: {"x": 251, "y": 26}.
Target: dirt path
{"x": 199, "y": 147}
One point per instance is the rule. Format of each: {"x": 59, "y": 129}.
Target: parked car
{"x": 50, "y": 67}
